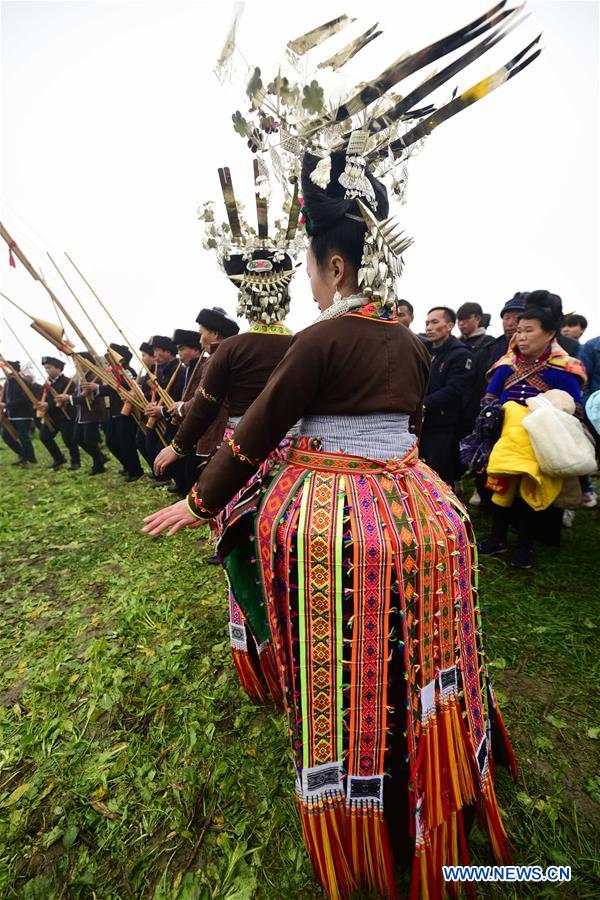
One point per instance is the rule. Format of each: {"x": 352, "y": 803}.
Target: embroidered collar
{"x": 273, "y": 328}
{"x": 356, "y": 304}
{"x": 554, "y": 357}
{"x": 520, "y": 360}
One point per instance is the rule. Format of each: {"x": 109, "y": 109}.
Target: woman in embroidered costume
{"x": 367, "y": 559}
{"x": 368, "y": 566}
{"x": 261, "y": 268}
{"x": 534, "y": 364}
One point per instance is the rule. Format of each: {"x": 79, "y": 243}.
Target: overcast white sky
{"x": 114, "y": 126}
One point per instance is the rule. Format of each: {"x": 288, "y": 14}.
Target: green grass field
{"x": 131, "y": 764}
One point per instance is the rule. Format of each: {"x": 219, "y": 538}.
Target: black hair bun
{"x": 325, "y": 207}
{"x": 552, "y": 303}
{"x": 545, "y": 307}
{"x": 546, "y": 300}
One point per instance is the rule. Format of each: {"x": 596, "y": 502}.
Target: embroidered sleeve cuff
{"x": 196, "y": 506}
{"x": 178, "y": 449}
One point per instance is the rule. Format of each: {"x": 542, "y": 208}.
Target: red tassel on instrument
{"x": 11, "y": 257}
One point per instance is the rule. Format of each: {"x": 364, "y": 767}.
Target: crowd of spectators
{"x": 475, "y": 375}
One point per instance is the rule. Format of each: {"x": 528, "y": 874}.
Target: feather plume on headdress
{"x": 377, "y": 128}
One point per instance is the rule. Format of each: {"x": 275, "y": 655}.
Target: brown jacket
{"x": 235, "y": 374}
{"x": 211, "y": 438}
{"x": 351, "y": 365}
{"x": 193, "y": 380}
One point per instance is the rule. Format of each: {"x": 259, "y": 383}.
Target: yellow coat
{"x": 512, "y": 456}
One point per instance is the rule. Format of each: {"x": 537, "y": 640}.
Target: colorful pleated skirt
{"x": 370, "y": 580}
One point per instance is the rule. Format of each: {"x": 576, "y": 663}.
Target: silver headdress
{"x": 376, "y": 127}
{"x": 260, "y": 265}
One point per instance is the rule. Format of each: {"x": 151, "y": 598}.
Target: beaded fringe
{"x": 349, "y": 846}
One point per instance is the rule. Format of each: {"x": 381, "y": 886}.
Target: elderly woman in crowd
{"x": 534, "y": 364}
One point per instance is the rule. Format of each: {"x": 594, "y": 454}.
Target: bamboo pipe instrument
{"x": 94, "y": 326}
{"x": 39, "y": 371}
{"x": 25, "y": 388}
{"x": 131, "y": 392}
{"x": 36, "y": 324}
{"x": 37, "y": 276}
{"x": 78, "y": 301}
{"x": 8, "y": 426}
{"x": 107, "y": 376}
{"x": 102, "y": 374}
{"x": 87, "y": 399}
{"x": 43, "y": 328}
{"x": 128, "y": 405}
{"x": 161, "y": 392}
{"x": 54, "y": 335}
{"x": 154, "y": 419}
{"x": 78, "y": 360}
{"x": 66, "y": 390}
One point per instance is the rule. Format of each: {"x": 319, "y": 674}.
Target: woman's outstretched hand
{"x": 173, "y": 517}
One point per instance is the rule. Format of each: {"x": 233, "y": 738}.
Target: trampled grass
{"x": 131, "y": 764}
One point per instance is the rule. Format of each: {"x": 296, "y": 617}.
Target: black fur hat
{"x": 185, "y": 338}
{"x": 545, "y": 300}
{"x": 216, "y": 319}
{"x": 123, "y": 351}
{"x": 53, "y": 361}
{"x": 163, "y": 343}
{"x": 545, "y": 306}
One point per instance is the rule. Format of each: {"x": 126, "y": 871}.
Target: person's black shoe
{"x": 491, "y": 547}
{"x": 97, "y": 470}
{"x": 130, "y": 478}
{"x": 58, "y": 464}
{"x": 213, "y": 561}
{"x": 18, "y": 462}
{"x": 522, "y": 558}
{"x": 74, "y": 465}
